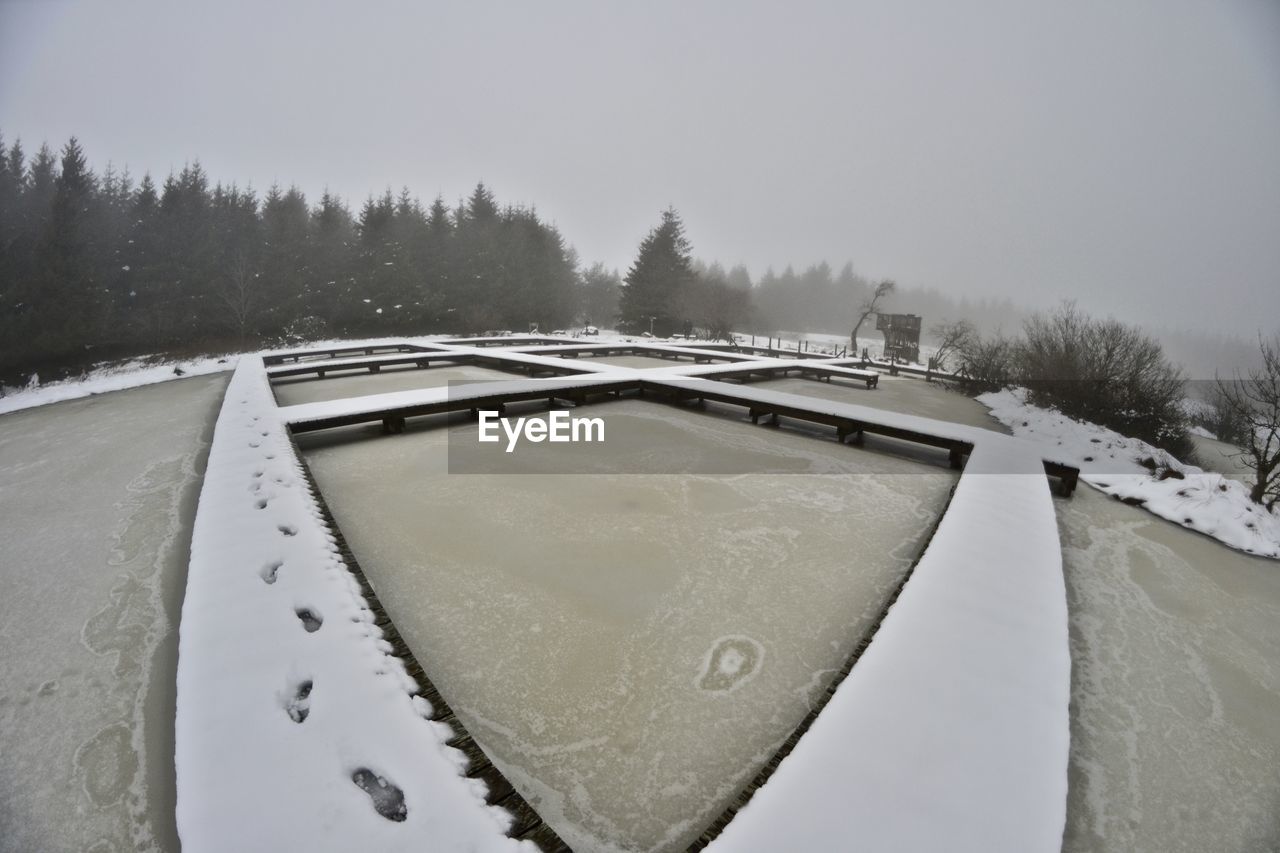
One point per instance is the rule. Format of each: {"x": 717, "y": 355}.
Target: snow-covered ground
{"x": 113, "y": 377}
{"x": 1207, "y": 502}
{"x": 296, "y": 729}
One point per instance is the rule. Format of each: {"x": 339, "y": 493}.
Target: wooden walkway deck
{"x": 657, "y": 351}
{"x": 511, "y": 363}
{"x": 806, "y": 369}
{"x": 393, "y": 417}
{"x": 767, "y": 406}
{"x": 339, "y": 352}
{"x": 505, "y": 341}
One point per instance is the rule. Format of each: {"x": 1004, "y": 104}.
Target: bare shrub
{"x": 951, "y": 339}
{"x": 1252, "y": 401}
{"x": 986, "y": 364}
{"x": 1105, "y": 372}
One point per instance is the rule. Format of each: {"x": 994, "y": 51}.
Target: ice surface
{"x": 1221, "y": 457}
{"x": 629, "y": 648}
{"x": 896, "y": 394}
{"x": 291, "y": 392}
{"x": 643, "y": 362}
{"x": 1175, "y": 642}
{"x": 96, "y": 502}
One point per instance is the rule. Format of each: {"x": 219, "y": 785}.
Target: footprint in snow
{"x": 309, "y": 618}
{"x": 299, "y": 706}
{"x": 270, "y": 570}
{"x": 287, "y": 529}
{"x": 388, "y": 799}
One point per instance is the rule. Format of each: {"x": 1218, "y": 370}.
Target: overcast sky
{"x": 1123, "y": 153}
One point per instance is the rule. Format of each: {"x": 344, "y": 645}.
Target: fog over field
{"x": 1121, "y": 154}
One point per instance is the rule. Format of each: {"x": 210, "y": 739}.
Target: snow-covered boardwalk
{"x": 951, "y": 732}
{"x": 295, "y": 727}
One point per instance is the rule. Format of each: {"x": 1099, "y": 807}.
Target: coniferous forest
{"x": 96, "y": 266}
{"x": 100, "y": 266}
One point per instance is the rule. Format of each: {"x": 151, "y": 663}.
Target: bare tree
{"x": 869, "y": 306}
{"x": 951, "y": 339}
{"x": 238, "y": 293}
{"x": 1254, "y": 398}
{"x": 986, "y": 364}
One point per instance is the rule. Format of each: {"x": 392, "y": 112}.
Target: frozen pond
{"x": 629, "y": 648}
{"x": 896, "y": 394}
{"x": 1221, "y": 457}
{"x": 290, "y": 392}
{"x": 97, "y": 497}
{"x": 644, "y": 362}
{"x": 1175, "y": 724}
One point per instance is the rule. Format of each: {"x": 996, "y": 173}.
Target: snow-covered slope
{"x": 115, "y": 377}
{"x": 1200, "y": 500}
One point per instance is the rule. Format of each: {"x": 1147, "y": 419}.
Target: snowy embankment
{"x": 115, "y": 377}
{"x": 296, "y": 729}
{"x": 134, "y": 373}
{"x": 137, "y": 372}
{"x": 1199, "y": 500}
{"x": 951, "y": 731}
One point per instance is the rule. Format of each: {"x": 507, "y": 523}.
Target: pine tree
{"x": 329, "y": 279}
{"x": 600, "y": 289}
{"x": 65, "y": 298}
{"x": 662, "y": 269}
{"x": 89, "y": 261}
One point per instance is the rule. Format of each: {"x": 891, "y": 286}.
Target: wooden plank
{"x": 397, "y": 415}
{"x": 296, "y": 355}
{"x": 393, "y": 418}
{"x": 321, "y": 368}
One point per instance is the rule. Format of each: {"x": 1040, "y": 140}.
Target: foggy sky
{"x": 1123, "y": 153}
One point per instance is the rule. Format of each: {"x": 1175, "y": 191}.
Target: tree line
{"x": 98, "y": 266}
{"x": 95, "y": 267}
